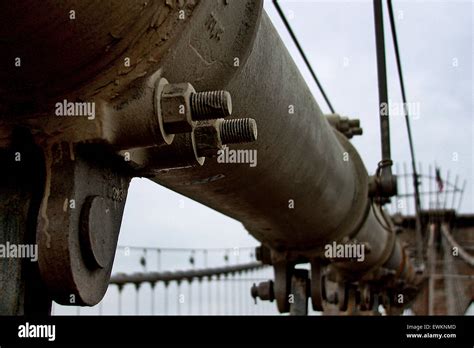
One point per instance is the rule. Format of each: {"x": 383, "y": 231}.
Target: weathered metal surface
{"x": 79, "y": 222}
{"x": 329, "y": 189}
{"x": 87, "y": 45}
{"x": 308, "y": 188}
{"x": 93, "y": 46}
{"x": 181, "y": 106}
{"x": 299, "y": 293}
{"x": 115, "y": 67}
{"x": 21, "y": 187}
{"x": 284, "y": 142}
{"x": 110, "y": 61}
{"x": 283, "y": 271}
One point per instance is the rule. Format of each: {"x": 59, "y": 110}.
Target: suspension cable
{"x": 302, "y": 53}
{"x": 419, "y": 238}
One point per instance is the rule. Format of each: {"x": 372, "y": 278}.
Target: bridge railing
{"x": 170, "y": 281}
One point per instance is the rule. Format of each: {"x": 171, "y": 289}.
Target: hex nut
{"x": 207, "y": 139}
{"x": 176, "y": 108}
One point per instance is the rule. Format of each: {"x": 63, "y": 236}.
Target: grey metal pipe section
{"x": 309, "y": 186}
{"x": 299, "y": 160}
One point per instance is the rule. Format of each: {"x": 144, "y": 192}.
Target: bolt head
{"x": 176, "y": 108}
{"x": 207, "y": 139}
{"x": 354, "y": 123}
{"x": 265, "y": 291}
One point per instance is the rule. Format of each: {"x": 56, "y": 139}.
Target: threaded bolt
{"x": 354, "y": 123}
{"x": 240, "y": 130}
{"x": 357, "y": 131}
{"x": 210, "y": 105}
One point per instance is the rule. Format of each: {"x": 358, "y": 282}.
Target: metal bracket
{"x": 21, "y": 189}
{"x": 318, "y": 285}
{"x": 282, "y": 288}
{"x": 79, "y": 222}
{"x": 300, "y": 292}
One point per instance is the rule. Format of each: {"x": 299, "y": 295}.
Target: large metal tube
{"x": 309, "y": 187}
{"x": 93, "y": 49}
{"x": 299, "y": 158}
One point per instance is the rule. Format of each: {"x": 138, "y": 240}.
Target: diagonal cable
{"x": 410, "y": 137}
{"x": 303, "y": 55}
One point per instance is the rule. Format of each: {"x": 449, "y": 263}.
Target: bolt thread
{"x": 354, "y": 123}
{"x": 240, "y": 130}
{"x": 210, "y": 105}
{"x": 357, "y": 131}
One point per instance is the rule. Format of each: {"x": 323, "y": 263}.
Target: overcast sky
{"x": 435, "y": 39}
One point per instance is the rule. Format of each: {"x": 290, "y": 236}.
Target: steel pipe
{"x": 308, "y": 186}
